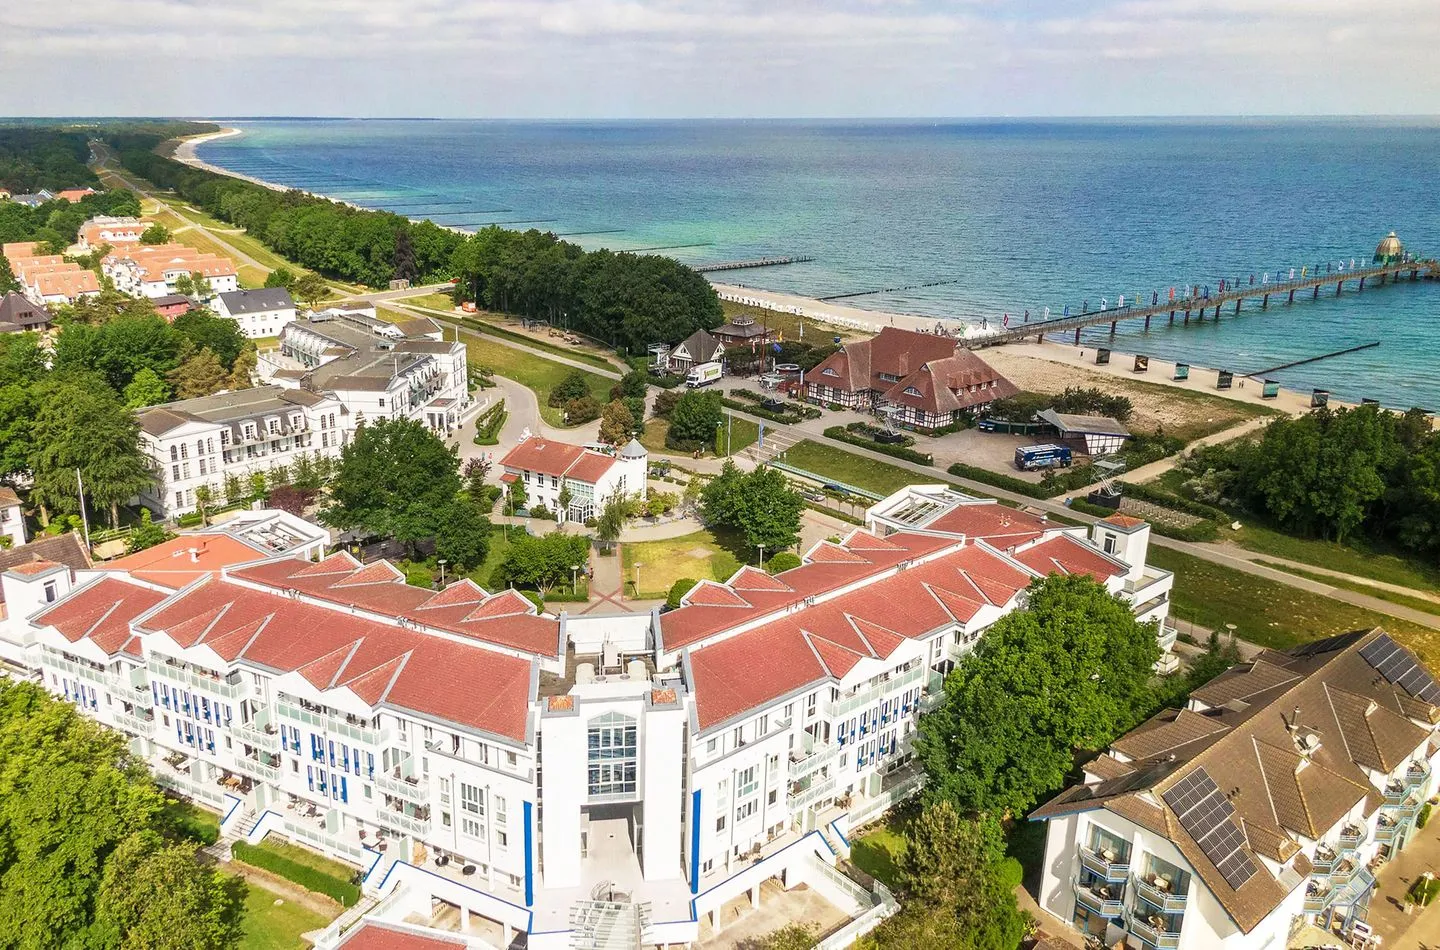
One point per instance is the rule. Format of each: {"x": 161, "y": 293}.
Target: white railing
{"x": 887, "y": 799}
{"x": 873, "y": 694}
{"x": 255, "y": 769}
{"x": 818, "y": 789}
{"x": 139, "y": 725}
{"x": 327, "y": 842}
{"x": 401, "y": 788}
{"x": 329, "y": 724}
{"x": 881, "y": 903}
{"x": 395, "y": 819}
{"x": 210, "y": 684}
{"x": 823, "y": 754}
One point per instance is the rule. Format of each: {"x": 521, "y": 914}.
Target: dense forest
{"x": 35, "y": 158}
{"x": 626, "y": 300}
{"x": 57, "y": 223}
{"x": 1333, "y": 474}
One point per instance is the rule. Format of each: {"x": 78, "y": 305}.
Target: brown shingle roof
{"x": 65, "y": 549}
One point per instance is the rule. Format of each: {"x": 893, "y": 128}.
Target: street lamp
{"x": 762, "y": 554}
{"x": 574, "y": 579}
{"x": 638, "y": 565}
{"x": 442, "y": 562}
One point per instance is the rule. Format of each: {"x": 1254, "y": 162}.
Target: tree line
{"x": 1335, "y": 474}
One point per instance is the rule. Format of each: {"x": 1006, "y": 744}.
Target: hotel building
{"x": 589, "y": 780}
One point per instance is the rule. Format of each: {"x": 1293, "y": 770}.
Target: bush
{"x": 665, "y": 403}
{"x": 534, "y": 598}
{"x": 487, "y": 427}
{"x": 574, "y": 385}
{"x": 754, "y": 409}
{"x": 580, "y": 411}
{"x": 835, "y": 407}
{"x": 1007, "y": 482}
{"x": 839, "y": 434}
{"x": 677, "y": 590}
{"x": 784, "y": 561}
{"x": 1423, "y": 818}
{"x": 1423, "y": 891}
{"x": 541, "y": 512}
{"x": 312, "y": 879}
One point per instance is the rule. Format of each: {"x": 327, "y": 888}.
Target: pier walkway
{"x": 1199, "y": 304}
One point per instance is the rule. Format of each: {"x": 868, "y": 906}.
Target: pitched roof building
{"x": 592, "y": 476}
{"x": 17, "y": 314}
{"x": 1267, "y": 799}
{"x": 923, "y": 375}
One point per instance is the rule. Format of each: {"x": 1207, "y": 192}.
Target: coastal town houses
{"x": 19, "y": 314}
{"x": 23, "y": 592}
{"x": 929, "y": 382}
{"x": 619, "y": 773}
{"x": 107, "y": 231}
{"x": 1266, "y": 803}
{"x": 699, "y": 347}
{"x": 12, "y": 519}
{"x": 377, "y": 370}
{"x": 591, "y": 475}
{"x": 258, "y": 313}
{"x": 204, "y": 441}
{"x": 49, "y": 278}
{"x": 153, "y": 270}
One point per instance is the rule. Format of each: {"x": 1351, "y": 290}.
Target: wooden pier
{"x": 757, "y": 262}
{"x": 1198, "y": 305}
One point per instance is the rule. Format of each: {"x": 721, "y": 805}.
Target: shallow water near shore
{"x": 1010, "y": 216}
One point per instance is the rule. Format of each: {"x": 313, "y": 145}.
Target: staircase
{"x": 246, "y": 824}
{"x": 239, "y": 830}
{"x": 608, "y": 925}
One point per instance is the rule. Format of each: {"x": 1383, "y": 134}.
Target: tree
{"x": 154, "y": 895}
{"x": 195, "y": 285}
{"x": 616, "y": 423}
{"x": 665, "y": 403}
{"x": 612, "y": 519}
{"x": 310, "y": 288}
{"x": 784, "y": 561}
{"x": 395, "y": 478}
{"x": 677, "y": 590}
{"x": 693, "y": 421}
{"x": 242, "y": 375}
{"x": 581, "y": 410}
{"x": 146, "y": 389}
{"x": 518, "y": 495}
{"x": 156, "y": 233}
{"x": 125, "y": 343}
{"x": 573, "y": 385}
{"x": 545, "y": 561}
{"x": 200, "y": 375}
{"x": 8, "y": 283}
{"x": 289, "y": 498}
{"x": 474, "y": 472}
{"x": 81, "y": 424}
{"x": 1068, "y": 673}
{"x": 790, "y": 937}
{"x": 280, "y": 277}
{"x": 462, "y": 536}
{"x": 256, "y": 481}
{"x": 633, "y": 385}
{"x": 220, "y": 335}
{"x": 405, "y": 267}
{"x": 760, "y": 504}
{"x": 147, "y": 534}
{"x": 203, "y": 497}
{"x": 563, "y": 500}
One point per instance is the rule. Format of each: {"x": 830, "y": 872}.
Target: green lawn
{"x": 1359, "y": 587}
{"x": 788, "y": 324}
{"x": 272, "y": 926}
{"x": 311, "y": 859}
{"x": 1378, "y": 565}
{"x": 533, "y": 372}
{"x": 744, "y": 434}
{"x": 876, "y": 852}
{"x": 1270, "y": 613}
{"x": 192, "y": 821}
{"x": 423, "y": 573}
{"x": 703, "y": 555}
{"x": 836, "y": 464}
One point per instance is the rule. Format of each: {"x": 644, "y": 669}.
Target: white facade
{"x": 203, "y": 441}
{"x": 258, "y": 313}
{"x": 12, "y": 520}
{"x": 592, "y": 474}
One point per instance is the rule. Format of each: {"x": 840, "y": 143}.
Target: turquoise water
{"x": 1011, "y": 215}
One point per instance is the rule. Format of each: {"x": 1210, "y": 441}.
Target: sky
{"x": 718, "y": 58}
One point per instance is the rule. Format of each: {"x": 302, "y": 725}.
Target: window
{"x": 175, "y": 471}
{"x": 554, "y": 481}
{"x": 174, "y": 454}
{"x": 1109, "y": 544}
{"x": 745, "y": 783}
{"x": 745, "y": 810}
{"x": 502, "y": 840}
{"x": 444, "y": 791}
{"x": 51, "y": 592}
{"x": 472, "y": 799}
{"x": 771, "y": 799}
{"x": 612, "y": 757}
{"x": 382, "y": 402}
{"x": 710, "y": 746}
{"x": 470, "y": 827}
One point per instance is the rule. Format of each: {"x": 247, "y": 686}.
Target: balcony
{"x": 260, "y": 732}
{"x": 810, "y": 756}
{"x": 140, "y": 725}
{"x": 812, "y": 793}
{"x": 1102, "y": 899}
{"x": 402, "y": 783}
{"x": 1157, "y": 893}
{"x": 1153, "y": 931}
{"x": 349, "y": 727}
{"x": 416, "y": 824}
{"x": 873, "y": 694}
{"x": 256, "y": 769}
{"x": 1351, "y": 836}
{"x": 1167, "y": 637}
{"x": 1105, "y": 865}
{"x": 229, "y": 688}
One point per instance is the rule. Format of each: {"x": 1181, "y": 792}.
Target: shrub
{"x": 665, "y": 402}
{"x": 677, "y": 590}
{"x": 835, "y": 407}
{"x": 312, "y": 879}
{"x": 534, "y": 598}
{"x": 1423, "y": 891}
{"x": 574, "y": 385}
{"x": 582, "y": 410}
{"x": 541, "y": 512}
{"x": 784, "y": 561}
{"x": 487, "y": 427}
{"x": 839, "y": 434}
{"x": 1423, "y": 818}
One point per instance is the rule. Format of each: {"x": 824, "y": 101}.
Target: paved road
{"x": 513, "y": 344}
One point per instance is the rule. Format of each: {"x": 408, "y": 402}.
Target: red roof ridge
{"x": 875, "y": 542}
{"x": 827, "y": 552}
{"x": 762, "y": 581}
{"x": 380, "y": 572}
{"x": 493, "y": 606}
{"x": 832, "y": 655}
{"x": 727, "y": 596}
{"x": 248, "y": 630}
{"x": 328, "y": 565}
{"x": 330, "y": 664}
{"x": 949, "y": 600}
{"x": 355, "y": 683}
{"x": 456, "y": 594}
{"x": 876, "y": 631}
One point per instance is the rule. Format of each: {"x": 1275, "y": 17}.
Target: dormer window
{"x": 911, "y": 391}
{"x": 829, "y": 372}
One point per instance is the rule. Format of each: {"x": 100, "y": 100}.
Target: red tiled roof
{"x": 1124, "y": 521}
{"x": 1066, "y": 555}
{"x": 826, "y": 640}
{"x": 558, "y": 458}
{"x": 960, "y": 381}
{"x": 375, "y": 935}
{"x": 170, "y": 564}
{"x": 382, "y": 664}
{"x": 101, "y": 612}
{"x": 31, "y": 568}
{"x": 1001, "y": 526}
{"x": 504, "y": 619}
{"x": 67, "y": 283}
{"x": 892, "y": 351}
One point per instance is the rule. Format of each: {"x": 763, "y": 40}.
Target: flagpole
{"x": 84, "y": 518}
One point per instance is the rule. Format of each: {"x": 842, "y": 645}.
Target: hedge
{"x": 312, "y": 879}
{"x": 1204, "y": 531}
{"x": 839, "y": 434}
{"x": 487, "y": 427}
{"x": 1178, "y": 502}
{"x": 1007, "y": 482}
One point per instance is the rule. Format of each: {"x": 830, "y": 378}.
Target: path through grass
{"x": 703, "y": 555}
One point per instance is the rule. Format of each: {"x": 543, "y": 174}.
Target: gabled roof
{"x": 559, "y": 459}
{"x": 67, "y": 549}
{"x": 700, "y": 346}
{"x": 383, "y": 663}
{"x": 20, "y": 313}
{"x": 101, "y": 613}
{"x": 960, "y": 381}
{"x": 1065, "y": 554}
{"x": 183, "y": 559}
{"x": 893, "y": 351}
{"x": 239, "y": 302}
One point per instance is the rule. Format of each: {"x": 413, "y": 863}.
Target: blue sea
{"x": 999, "y": 216}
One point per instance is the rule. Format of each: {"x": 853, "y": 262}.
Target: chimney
{"x": 194, "y": 555}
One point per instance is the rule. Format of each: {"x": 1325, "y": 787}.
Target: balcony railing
{"x": 403, "y": 787}
{"x": 1352, "y": 836}
{"x": 256, "y": 769}
{"x": 206, "y": 683}
{"x": 260, "y": 731}
{"x": 817, "y": 790}
{"x": 1387, "y": 833}
{"x": 329, "y": 724}
{"x": 1107, "y": 869}
{"x": 1158, "y": 897}
{"x": 140, "y": 725}
{"x": 403, "y": 822}
{"x": 813, "y": 755}
{"x": 873, "y": 694}
{"x": 1154, "y": 934}
{"x": 1104, "y": 900}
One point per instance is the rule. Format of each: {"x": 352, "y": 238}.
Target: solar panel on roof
{"x": 1396, "y": 664}
{"x": 1328, "y": 645}
{"x": 1209, "y": 819}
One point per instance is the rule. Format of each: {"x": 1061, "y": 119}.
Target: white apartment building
{"x": 377, "y": 370}
{"x": 258, "y": 313}
{"x": 583, "y": 779}
{"x": 593, "y": 474}
{"x": 1264, "y": 804}
{"x": 201, "y": 441}
{"x": 152, "y": 270}
{"x": 12, "y": 517}
{"x": 109, "y": 231}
